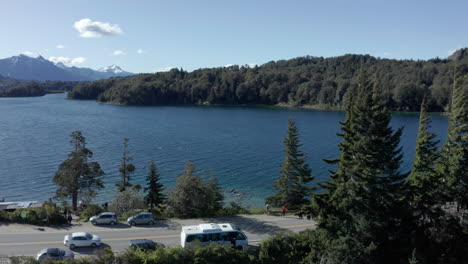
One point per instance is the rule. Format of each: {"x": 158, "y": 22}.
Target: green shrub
{"x": 4, "y": 216}
{"x": 89, "y": 211}
{"x": 226, "y": 254}
{"x": 125, "y": 216}
{"x": 55, "y": 216}
{"x": 233, "y": 209}
{"x": 15, "y": 217}
{"x": 284, "y": 248}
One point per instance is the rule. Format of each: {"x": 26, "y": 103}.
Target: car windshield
{"x": 89, "y": 236}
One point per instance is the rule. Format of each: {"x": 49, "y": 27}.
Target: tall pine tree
{"x": 154, "y": 189}
{"x": 295, "y": 175}
{"x": 453, "y": 164}
{"x": 360, "y": 211}
{"x": 424, "y": 183}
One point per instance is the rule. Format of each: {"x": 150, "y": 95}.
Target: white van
{"x": 213, "y": 233}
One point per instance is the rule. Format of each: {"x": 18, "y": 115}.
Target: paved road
{"x": 19, "y": 240}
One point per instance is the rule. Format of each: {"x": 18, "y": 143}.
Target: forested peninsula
{"x": 27, "y": 88}
{"x": 314, "y": 82}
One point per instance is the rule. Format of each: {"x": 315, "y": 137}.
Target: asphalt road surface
{"x": 25, "y": 240}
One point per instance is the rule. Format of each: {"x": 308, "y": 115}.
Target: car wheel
{"x": 72, "y": 246}
{"x": 94, "y": 222}
{"x": 151, "y": 222}
{"x": 112, "y": 223}
{"x": 93, "y": 245}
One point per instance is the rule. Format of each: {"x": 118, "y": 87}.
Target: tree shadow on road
{"x": 116, "y": 226}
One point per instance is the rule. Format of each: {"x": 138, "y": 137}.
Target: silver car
{"x": 54, "y": 254}
{"x": 81, "y": 239}
{"x": 141, "y": 218}
{"x": 104, "y": 218}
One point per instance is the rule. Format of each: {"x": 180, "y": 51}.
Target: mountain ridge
{"x": 24, "y": 67}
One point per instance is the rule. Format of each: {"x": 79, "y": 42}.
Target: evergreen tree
{"x": 361, "y": 209}
{"x": 192, "y": 196}
{"x": 126, "y": 168}
{"x": 77, "y": 176}
{"x": 295, "y": 174}
{"x": 215, "y": 194}
{"x": 155, "y": 195}
{"x": 423, "y": 179}
{"x": 453, "y": 164}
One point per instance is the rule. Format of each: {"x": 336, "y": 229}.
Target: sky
{"x": 149, "y": 36}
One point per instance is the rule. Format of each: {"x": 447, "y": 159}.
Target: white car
{"x": 81, "y": 239}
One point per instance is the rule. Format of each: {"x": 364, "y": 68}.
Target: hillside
{"x": 306, "y": 81}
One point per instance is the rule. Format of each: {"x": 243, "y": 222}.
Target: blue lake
{"x": 241, "y": 145}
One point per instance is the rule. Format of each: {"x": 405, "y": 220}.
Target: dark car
{"x": 146, "y": 244}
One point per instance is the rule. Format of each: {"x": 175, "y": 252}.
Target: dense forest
{"x": 17, "y": 88}
{"x": 314, "y": 82}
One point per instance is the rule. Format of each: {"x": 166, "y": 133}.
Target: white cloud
{"x": 386, "y": 54}
{"x": 66, "y": 60}
{"x": 228, "y": 65}
{"x": 165, "y": 69}
{"x": 95, "y": 29}
{"x": 60, "y": 46}
{"x": 28, "y": 53}
{"x": 140, "y": 51}
{"x": 78, "y": 60}
{"x": 118, "y": 53}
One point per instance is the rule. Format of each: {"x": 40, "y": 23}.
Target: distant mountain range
{"x": 39, "y": 69}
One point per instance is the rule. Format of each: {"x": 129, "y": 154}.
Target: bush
{"x": 89, "y": 211}
{"x": 34, "y": 216}
{"x": 284, "y": 248}
{"x": 3, "y": 215}
{"x": 226, "y": 254}
{"x": 15, "y": 217}
{"x": 55, "y": 216}
{"x": 160, "y": 256}
{"x": 233, "y": 209}
{"x": 125, "y": 216}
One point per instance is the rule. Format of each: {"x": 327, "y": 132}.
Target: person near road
{"x": 267, "y": 208}
{"x": 283, "y": 211}
{"x": 69, "y": 218}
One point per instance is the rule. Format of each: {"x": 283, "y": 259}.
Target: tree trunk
{"x": 74, "y": 200}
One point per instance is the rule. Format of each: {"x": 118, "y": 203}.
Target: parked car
{"x": 81, "y": 239}
{"x": 104, "y": 218}
{"x": 141, "y": 218}
{"x": 54, "y": 254}
{"x": 146, "y": 244}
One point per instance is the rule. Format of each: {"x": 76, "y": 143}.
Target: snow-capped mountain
{"x": 40, "y": 69}
{"x": 112, "y": 69}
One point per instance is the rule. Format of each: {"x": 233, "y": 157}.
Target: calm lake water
{"x": 241, "y": 145}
